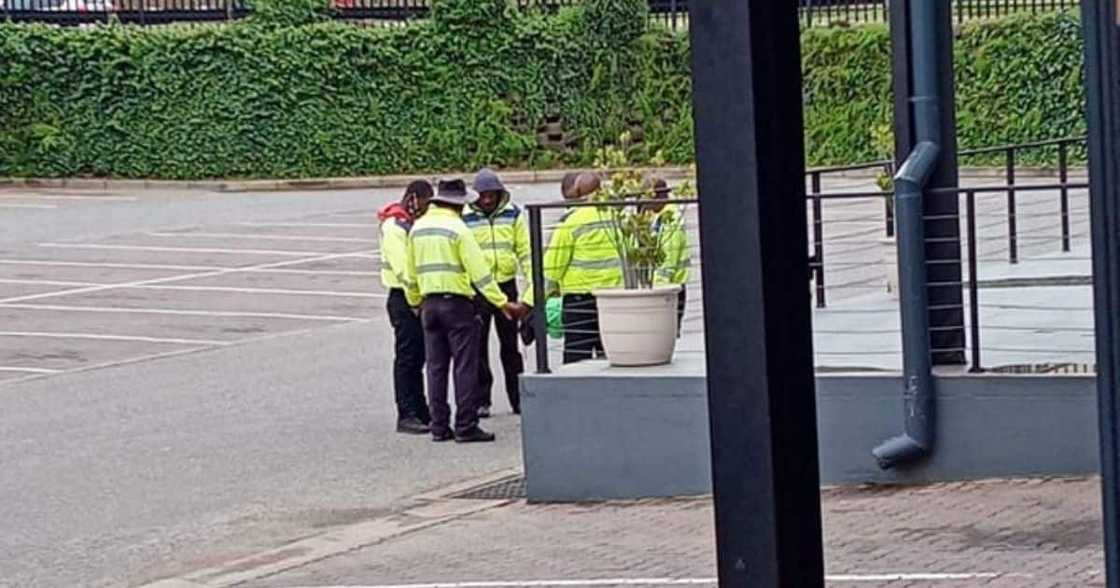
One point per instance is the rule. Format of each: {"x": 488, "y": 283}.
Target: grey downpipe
{"x": 917, "y": 438}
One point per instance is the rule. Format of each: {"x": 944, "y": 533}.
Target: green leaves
{"x": 289, "y": 94}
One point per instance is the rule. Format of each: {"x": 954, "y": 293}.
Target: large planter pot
{"x": 638, "y": 327}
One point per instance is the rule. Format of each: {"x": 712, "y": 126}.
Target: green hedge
{"x": 271, "y": 97}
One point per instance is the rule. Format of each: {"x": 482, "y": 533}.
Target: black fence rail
{"x": 141, "y": 12}
{"x": 1060, "y": 149}
{"x": 828, "y": 12}
{"x": 671, "y": 13}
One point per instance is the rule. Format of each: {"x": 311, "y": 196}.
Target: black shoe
{"x": 412, "y": 426}
{"x": 517, "y": 410}
{"x": 442, "y": 436}
{"x": 474, "y": 435}
{"x": 484, "y": 412}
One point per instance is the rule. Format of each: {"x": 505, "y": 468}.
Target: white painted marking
{"x": 169, "y": 311}
{"x": 913, "y": 577}
{"x": 260, "y": 291}
{"x": 266, "y": 237}
{"x": 4, "y": 368}
{"x": 294, "y": 225}
{"x": 59, "y": 197}
{"x": 323, "y": 272}
{"x": 190, "y": 268}
{"x": 203, "y": 274}
{"x": 341, "y": 294}
{"x": 39, "y": 206}
{"x": 195, "y": 268}
{"x": 98, "y": 337}
{"x": 276, "y": 252}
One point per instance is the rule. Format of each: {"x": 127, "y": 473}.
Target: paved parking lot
{"x": 75, "y": 305}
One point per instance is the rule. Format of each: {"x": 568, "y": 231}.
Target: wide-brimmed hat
{"x": 452, "y": 192}
{"x": 488, "y": 181}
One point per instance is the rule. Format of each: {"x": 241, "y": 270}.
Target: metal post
{"x": 973, "y": 284}
{"x": 1102, "y": 69}
{"x": 818, "y": 242}
{"x": 540, "y": 296}
{"x": 1063, "y": 177}
{"x": 1012, "y": 221}
{"x": 942, "y": 223}
{"x": 746, "y": 73}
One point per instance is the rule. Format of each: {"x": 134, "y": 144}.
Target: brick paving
{"x": 1026, "y": 532}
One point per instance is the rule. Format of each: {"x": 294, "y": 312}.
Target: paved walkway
{"x": 995, "y": 533}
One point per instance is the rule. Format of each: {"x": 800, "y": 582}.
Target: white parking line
{"x": 260, "y": 291}
{"x": 40, "y": 206}
{"x": 240, "y": 290}
{"x": 276, "y": 252}
{"x": 606, "y": 582}
{"x": 205, "y": 274}
{"x": 190, "y": 268}
{"x": 59, "y": 197}
{"x": 170, "y": 311}
{"x": 98, "y": 337}
{"x": 266, "y": 237}
{"x": 295, "y": 225}
{"x": 5, "y": 368}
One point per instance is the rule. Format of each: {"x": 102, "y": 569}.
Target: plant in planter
{"x": 638, "y": 322}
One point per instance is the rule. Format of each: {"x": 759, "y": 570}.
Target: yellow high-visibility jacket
{"x": 503, "y": 236}
{"x": 581, "y": 256}
{"x": 673, "y": 270}
{"x": 446, "y": 259}
{"x": 394, "y": 254}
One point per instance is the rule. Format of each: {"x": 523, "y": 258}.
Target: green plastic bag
{"x": 554, "y": 313}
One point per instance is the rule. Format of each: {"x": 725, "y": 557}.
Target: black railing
{"x": 672, "y": 13}
{"x": 1010, "y": 155}
{"x": 141, "y": 12}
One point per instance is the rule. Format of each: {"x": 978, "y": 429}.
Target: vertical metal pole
{"x": 1012, "y": 221}
{"x": 746, "y": 73}
{"x": 540, "y": 296}
{"x": 1102, "y": 75}
{"x": 888, "y": 206}
{"x": 973, "y": 284}
{"x": 1063, "y": 177}
{"x": 818, "y": 241}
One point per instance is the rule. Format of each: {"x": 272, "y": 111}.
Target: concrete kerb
{"x": 400, "y": 181}
{"x": 429, "y": 510}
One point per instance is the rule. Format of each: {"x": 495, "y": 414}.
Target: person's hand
{"x": 514, "y": 311}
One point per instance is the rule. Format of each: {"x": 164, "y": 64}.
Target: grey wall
{"x": 593, "y": 433}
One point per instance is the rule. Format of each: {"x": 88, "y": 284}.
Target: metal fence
{"x": 671, "y": 13}
{"x": 141, "y": 12}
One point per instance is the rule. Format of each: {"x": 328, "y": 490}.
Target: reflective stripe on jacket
{"x": 446, "y": 259}
{"x": 674, "y": 244}
{"x": 581, "y": 256}
{"x": 504, "y": 239}
{"x": 394, "y": 254}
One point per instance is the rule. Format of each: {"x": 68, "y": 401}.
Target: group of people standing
{"x": 450, "y": 261}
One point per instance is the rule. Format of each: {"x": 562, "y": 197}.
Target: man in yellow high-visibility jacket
{"x": 449, "y": 266}
{"x": 673, "y": 270}
{"x": 408, "y": 334}
{"x": 581, "y": 258}
{"x": 502, "y": 230}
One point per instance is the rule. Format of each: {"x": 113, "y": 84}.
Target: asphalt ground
{"x": 189, "y": 377}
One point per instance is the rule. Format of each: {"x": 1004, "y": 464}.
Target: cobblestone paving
{"x": 1005, "y": 533}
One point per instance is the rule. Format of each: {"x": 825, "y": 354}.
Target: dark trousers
{"x": 408, "y": 359}
{"x": 509, "y": 352}
{"x": 682, "y": 299}
{"x": 451, "y": 337}
{"x": 581, "y": 328}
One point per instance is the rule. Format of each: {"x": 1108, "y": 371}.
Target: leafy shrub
{"x": 289, "y": 94}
